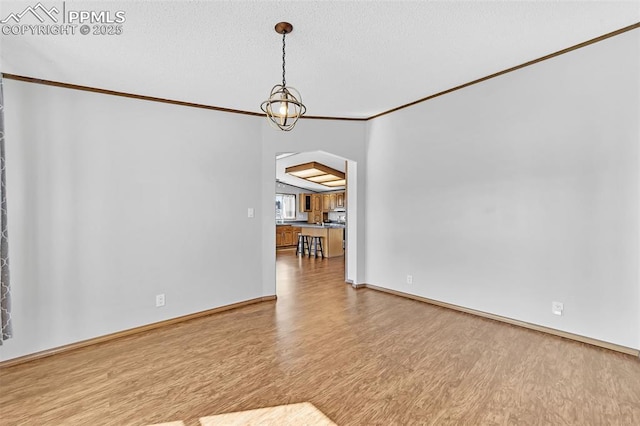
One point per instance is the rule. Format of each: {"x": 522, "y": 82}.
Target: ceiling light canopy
{"x": 284, "y": 106}
{"x": 318, "y": 173}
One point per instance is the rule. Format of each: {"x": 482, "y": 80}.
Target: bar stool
{"x": 316, "y": 243}
{"x": 303, "y": 243}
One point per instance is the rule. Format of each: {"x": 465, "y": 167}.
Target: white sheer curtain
{"x": 5, "y": 294}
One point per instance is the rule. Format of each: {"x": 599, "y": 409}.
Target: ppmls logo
{"x": 17, "y": 17}
{"x": 41, "y": 20}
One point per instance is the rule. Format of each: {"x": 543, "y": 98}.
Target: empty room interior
{"x": 320, "y": 213}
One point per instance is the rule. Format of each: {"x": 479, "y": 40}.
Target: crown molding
{"x": 316, "y": 117}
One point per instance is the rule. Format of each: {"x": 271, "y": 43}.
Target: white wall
{"x": 115, "y": 200}
{"x": 517, "y": 192}
{"x": 500, "y": 197}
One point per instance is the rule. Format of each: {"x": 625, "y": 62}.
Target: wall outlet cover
{"x": 160, "y": 300}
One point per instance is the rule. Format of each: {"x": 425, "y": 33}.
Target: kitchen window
{"x": 285, "y": 206}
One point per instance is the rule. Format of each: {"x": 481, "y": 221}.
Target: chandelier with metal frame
{"x": 284, "y": 106}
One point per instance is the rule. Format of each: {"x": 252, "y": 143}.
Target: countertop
{"x": 312, "y": 225}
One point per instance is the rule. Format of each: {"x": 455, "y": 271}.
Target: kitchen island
{"x": 332, "y": 237}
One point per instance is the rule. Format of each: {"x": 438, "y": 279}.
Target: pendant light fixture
{"x": 284, "y": 106}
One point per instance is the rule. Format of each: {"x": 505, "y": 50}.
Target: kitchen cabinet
{"x": 329, "y": 202}
{"x": 315, "y": 215}
{"x": 287, "y": 235}
{"x": 326, "y": 203}
{"x": 332, "y": 201}
{"x": 296, "y": 232}
{"x": 305, "y": 203}
{"x": 317, "y": 205}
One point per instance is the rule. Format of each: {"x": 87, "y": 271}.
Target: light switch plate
{"x": 557, "y": 308}
{"x": 250, "y": 212}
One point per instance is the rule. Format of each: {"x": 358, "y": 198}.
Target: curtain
{"x": 5, "y": 294}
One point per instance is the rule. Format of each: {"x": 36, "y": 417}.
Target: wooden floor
{"x": 361, "y": 357}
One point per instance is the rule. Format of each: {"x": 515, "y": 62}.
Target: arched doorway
{"x": 339, "y": 214}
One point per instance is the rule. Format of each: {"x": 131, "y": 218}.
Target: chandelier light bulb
{"x": 284, "y": 110}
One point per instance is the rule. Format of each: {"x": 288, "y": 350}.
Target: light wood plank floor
{"x": 362, "y": 357}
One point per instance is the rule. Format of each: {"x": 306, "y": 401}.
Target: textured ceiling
{"x": 347, "y": 58}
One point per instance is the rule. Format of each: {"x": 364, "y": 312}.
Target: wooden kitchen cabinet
{"x": 281, "y": 235}
{"x": 315, "y": 215}
{"x": 296, "y": 231}
{"x": 287, "y": 235}
{"x": 326, "y": 203}
{"x": 317, "y": 205}
{"x": 305, "y": 203}
{"x": 333, "y": 201}
{"x": 316, "y": 202}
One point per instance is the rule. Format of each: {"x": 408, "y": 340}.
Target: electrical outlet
{"x": 557, "y": 308}
{"x": 159, "y": 300}
{"x": 251, "y": 212}
{"x": 409, "y": 279}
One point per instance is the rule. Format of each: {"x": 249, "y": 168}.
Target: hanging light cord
{"x": 284, "y": 82}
